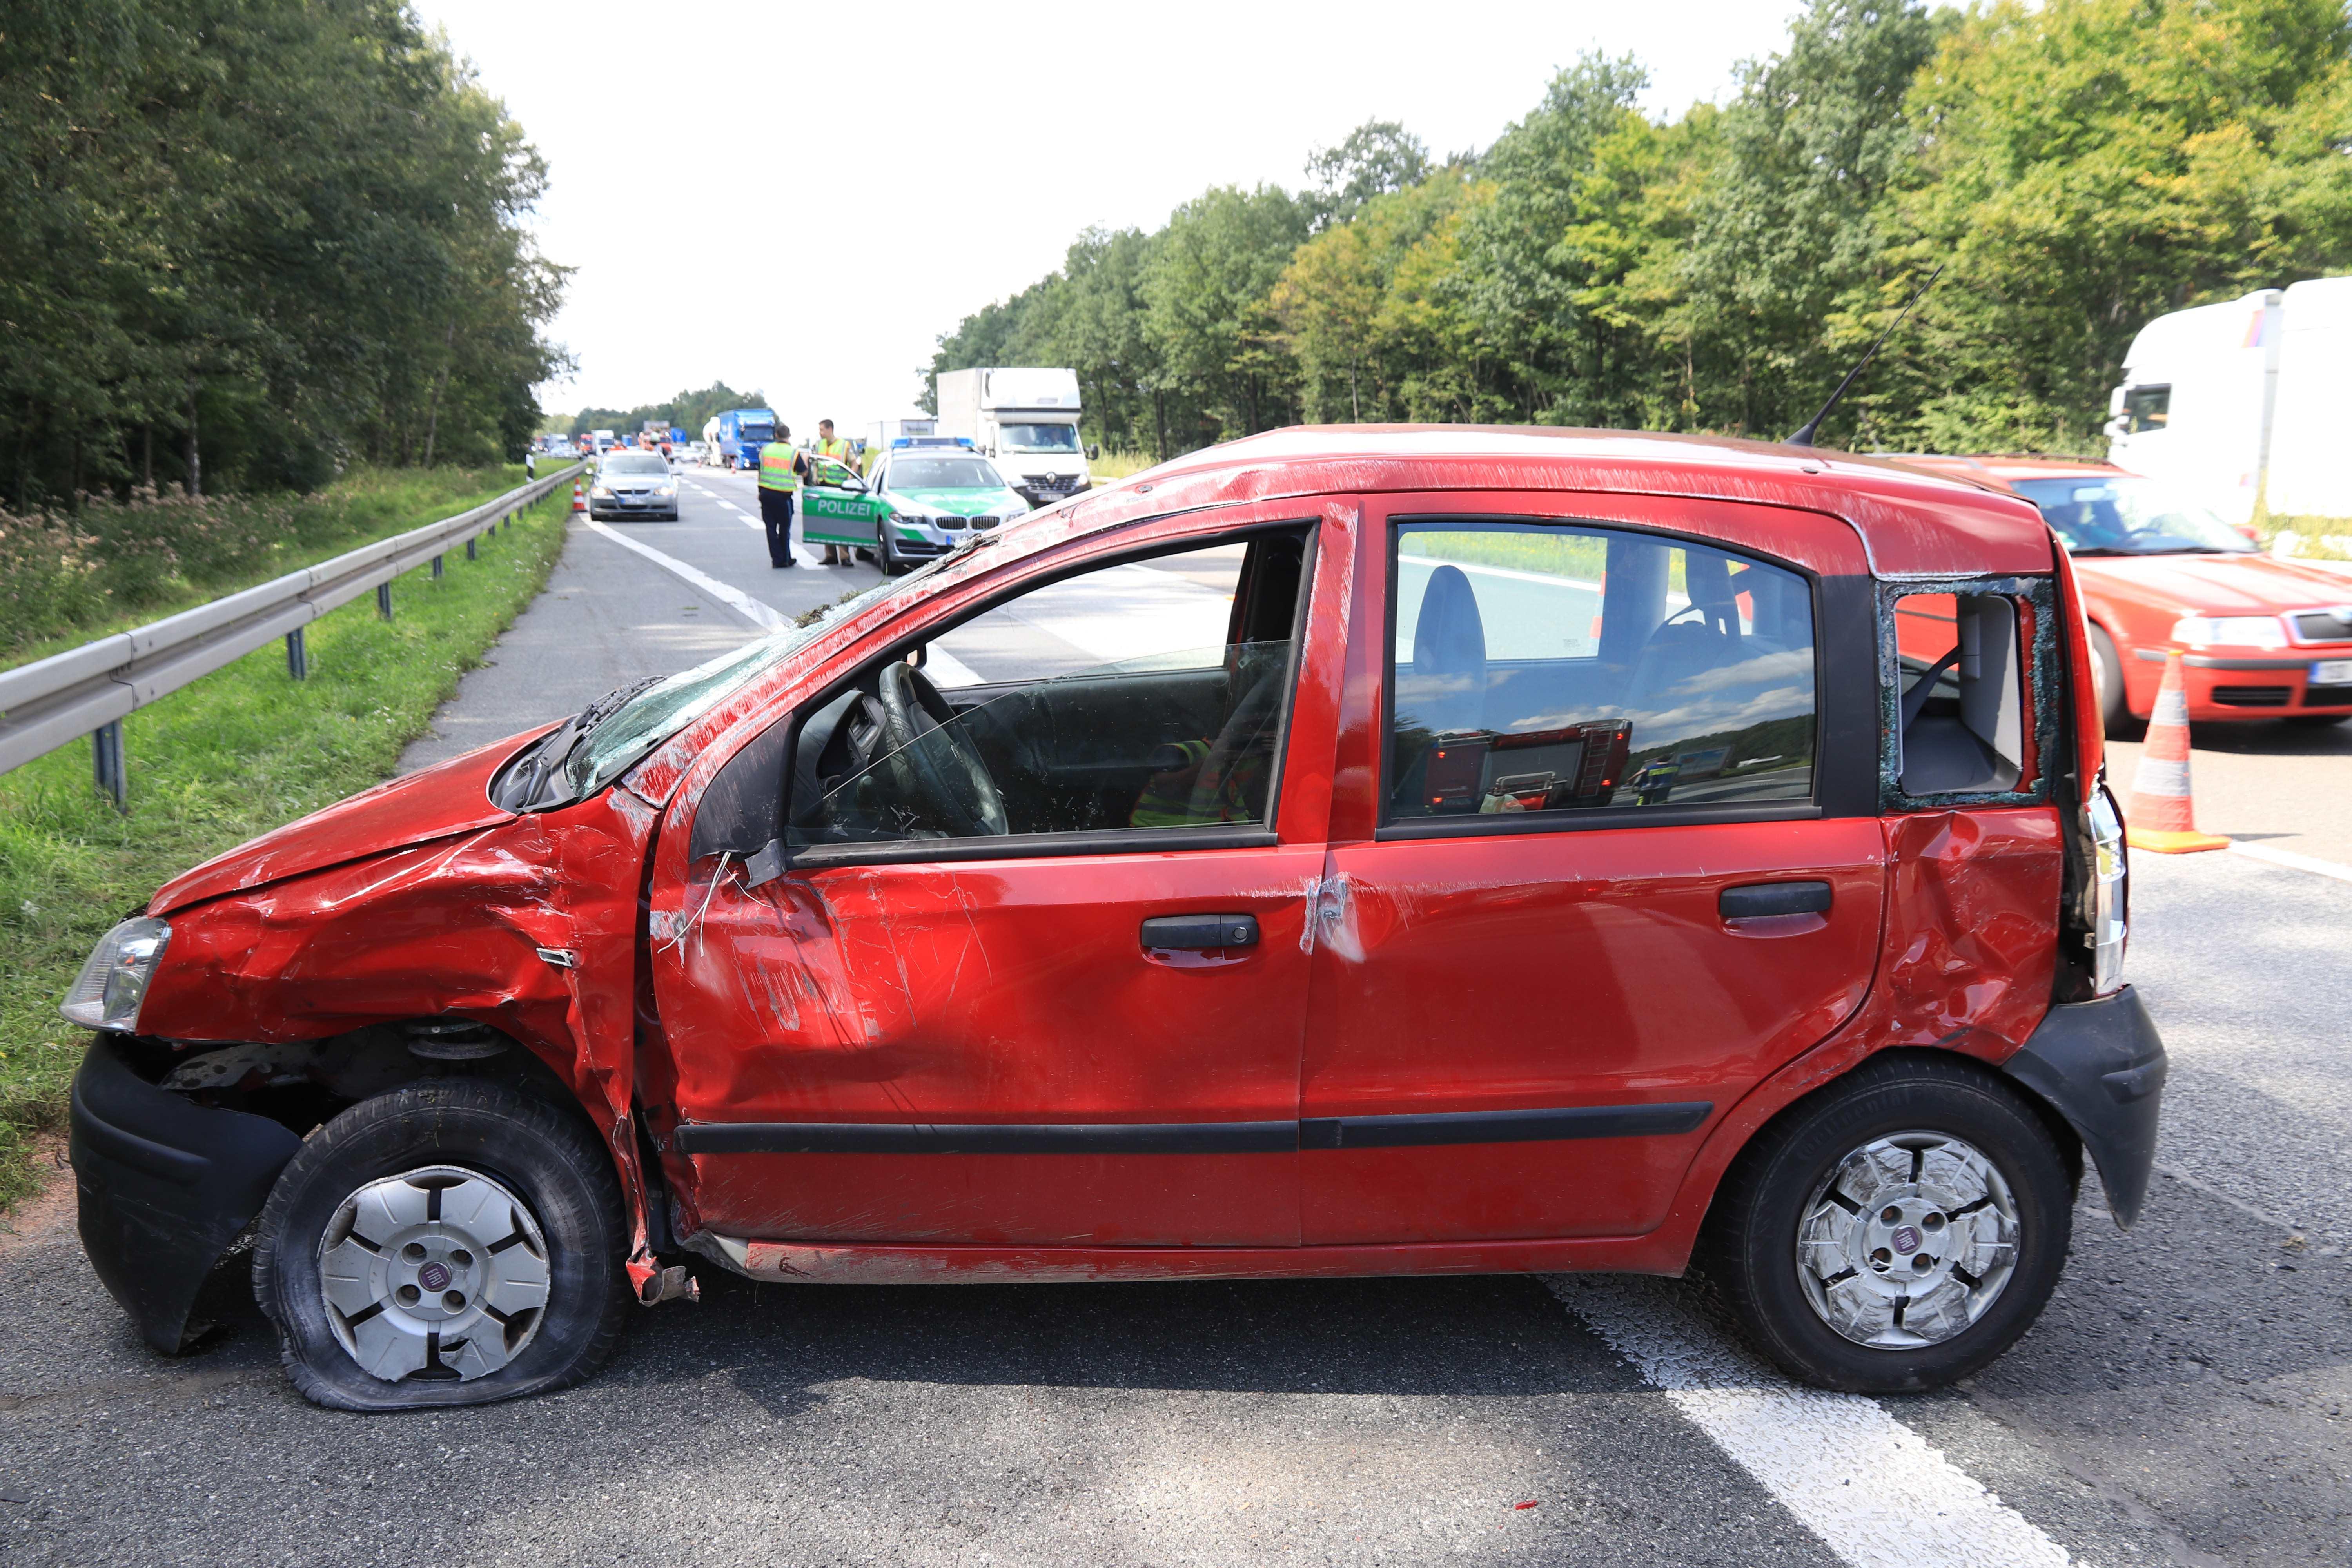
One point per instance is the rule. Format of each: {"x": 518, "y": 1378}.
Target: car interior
{"x": 1961, "y": 724}
{"x": 1543, "y": 667}
{"x": 1171, "y": 739}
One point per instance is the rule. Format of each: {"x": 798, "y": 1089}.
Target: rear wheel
{"x": 2107, "y": 676}
{"x": 1895, "y": 1232}
{"x": 450, "y": 1243}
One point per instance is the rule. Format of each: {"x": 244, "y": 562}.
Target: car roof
{"x": 1995, "y": 470}
{"x": 1913, "y": 519}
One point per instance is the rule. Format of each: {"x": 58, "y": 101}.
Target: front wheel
{"x": 450, "y": 1243}
{"x": 1895, "y": 1232}
{"x": 2107, "y": 679}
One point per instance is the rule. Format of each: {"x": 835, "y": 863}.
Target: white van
{"x": 2243, "y": 402}
{"x": 1026, "y": 419}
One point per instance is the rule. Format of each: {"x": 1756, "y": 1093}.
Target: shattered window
{"x": 1541, "y": 668}
{"x": 1150, "y": 694}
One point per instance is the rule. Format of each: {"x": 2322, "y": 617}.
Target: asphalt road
{"x": 2184, "y": 1400}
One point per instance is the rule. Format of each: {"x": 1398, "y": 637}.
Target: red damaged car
{"x": 1341, "y": 852}
{"x": 2263, "y": 638}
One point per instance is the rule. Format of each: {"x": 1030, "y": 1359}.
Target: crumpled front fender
{"x": 527, "y": 924}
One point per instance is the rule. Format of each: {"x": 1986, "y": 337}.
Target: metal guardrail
{"x": 86, "y": 691}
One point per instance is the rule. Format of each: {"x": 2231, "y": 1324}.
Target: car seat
{"x": 1447, "y": 690}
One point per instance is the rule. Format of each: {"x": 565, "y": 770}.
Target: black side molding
{"x": 1502, "y": 1126}
{"x": 2101, "y": 1065}
{"x": 986, "y": 1138}
{"x": 1189, "y": 1137}
{"x": 165, "y": 1185}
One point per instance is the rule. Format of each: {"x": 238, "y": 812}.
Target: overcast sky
{"x": 802, "y": 200}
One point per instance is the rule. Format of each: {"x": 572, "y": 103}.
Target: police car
{"x": 939, "y": 491}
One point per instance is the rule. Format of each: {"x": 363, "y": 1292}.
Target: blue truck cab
{"x": 741, "y": 433}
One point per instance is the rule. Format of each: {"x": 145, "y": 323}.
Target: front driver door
{"x": 1609, "y": 875}
{"x": 837, "y": 509}
{"x": 1084, "y": 1029}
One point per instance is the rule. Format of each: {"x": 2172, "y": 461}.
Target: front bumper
{"x": 2255, "y": 685}
{"x": 2101, "y": 1065}
{"x": 165, "y": 1185}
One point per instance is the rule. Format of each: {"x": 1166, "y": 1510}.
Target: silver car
{"x": 631, "y": 483}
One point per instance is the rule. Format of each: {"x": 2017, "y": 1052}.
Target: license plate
{"x": 2332, "y": 672}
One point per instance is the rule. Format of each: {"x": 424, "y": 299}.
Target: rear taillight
{"x": 2109, "y": 903}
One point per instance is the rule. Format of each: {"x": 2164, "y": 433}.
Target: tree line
{"x": 251, "y": 241}
{"x": 2075, "y": 167}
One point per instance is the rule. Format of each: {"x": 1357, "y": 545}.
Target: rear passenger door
{"x": 1619, "y": 859}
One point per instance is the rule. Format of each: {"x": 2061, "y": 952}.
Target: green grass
{"x": 68, "y": 578}
{"x": 1116, "y": 465}
{"x": 240, "y": 752}
{"x": 1581, "y": 556}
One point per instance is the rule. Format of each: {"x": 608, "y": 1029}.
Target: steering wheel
{"x": 929, "y": 758}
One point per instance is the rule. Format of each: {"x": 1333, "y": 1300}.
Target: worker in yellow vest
{"x": 829, "y": 445}
{"x": 781, "y": 471}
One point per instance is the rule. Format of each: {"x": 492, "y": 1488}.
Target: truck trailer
{"x": 733, "y": 439}
{"x": 2242, "y": 403}
{"x": 1024, "y": 417}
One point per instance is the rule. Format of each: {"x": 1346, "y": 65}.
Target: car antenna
{"x": 1804, "y": 436}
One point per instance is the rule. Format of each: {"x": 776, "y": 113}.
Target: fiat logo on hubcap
{"x": 1905, "y": 1239}
{"x": 435, "y": 1276}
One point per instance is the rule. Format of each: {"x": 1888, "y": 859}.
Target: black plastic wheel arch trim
{"x": 164, "y": 1185}
{"x": 2101, "y": 1065}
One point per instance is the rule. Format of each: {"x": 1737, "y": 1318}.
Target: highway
{"x": 2186, "y": 1399}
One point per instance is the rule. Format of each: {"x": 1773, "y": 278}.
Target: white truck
{"x": 1025, "y": 418}
{"x": 2243, "y": 402}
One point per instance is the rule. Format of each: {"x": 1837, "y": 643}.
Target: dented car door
{"x": 1074, "y": 1030}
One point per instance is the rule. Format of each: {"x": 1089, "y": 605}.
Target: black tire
{"x": 2114, "y": 708}
{"x": 540, "y": 1152}
{"x": 1750, "y": 1247}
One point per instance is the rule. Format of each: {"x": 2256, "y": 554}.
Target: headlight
{"x": 600, "y": 488}
{"x": 107, "y": 993}
{"x": 669, "y": 490}
{"x": 2110, "y": 894}
{"x": 2236, "y": 631}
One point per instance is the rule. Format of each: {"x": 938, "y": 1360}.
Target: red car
{"x": 1340, "y": 852}
{"x": 2263, "y": 637}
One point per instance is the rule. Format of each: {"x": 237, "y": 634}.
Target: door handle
{"x": 1755, "y": 899}
{"x": 1200, "y": 932}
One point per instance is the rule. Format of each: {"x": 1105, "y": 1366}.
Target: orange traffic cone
{"x": 580, "y": 495}
{"x": 2161, "y": 816}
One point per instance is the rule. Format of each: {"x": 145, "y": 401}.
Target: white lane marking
{"x": 2293, "y": 862}
{"x": 1869, "y": 1487}
{"x": 742, "y": 604}
{"x": 800, "y": 553}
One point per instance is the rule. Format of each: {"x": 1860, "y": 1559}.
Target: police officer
{"x": 781, "y": 471}
{"x": 828, "y": 444}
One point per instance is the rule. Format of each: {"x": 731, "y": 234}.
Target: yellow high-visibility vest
{"x": 776, "y": 467}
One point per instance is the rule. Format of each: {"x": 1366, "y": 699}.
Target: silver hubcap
{"x": 438, "y": 1272}
{"x": 1908, "y": 1242}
